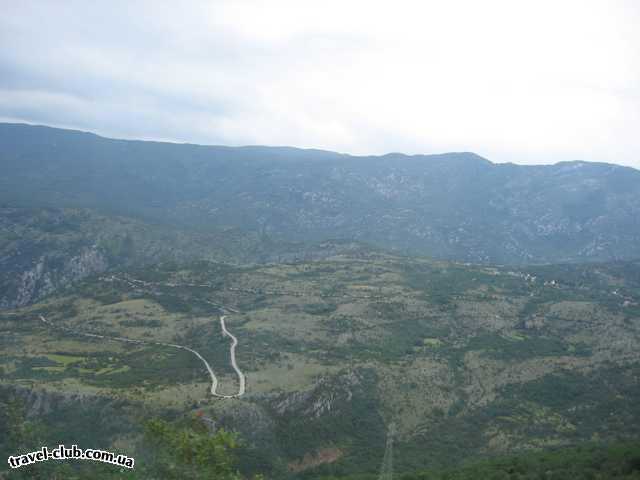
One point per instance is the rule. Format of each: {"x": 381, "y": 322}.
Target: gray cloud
{"x": 529, "y": 82}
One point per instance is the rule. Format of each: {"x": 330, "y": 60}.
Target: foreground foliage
{"x": 191, "y": 452}
{"x": 588, "y": 462}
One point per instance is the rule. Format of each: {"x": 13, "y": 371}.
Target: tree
{"x": 191, "y": 452}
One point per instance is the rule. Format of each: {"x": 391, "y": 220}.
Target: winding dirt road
{"x": 241, "y": 377}
{"x": 135, "y": 283}
{"x": 214, "y": 379}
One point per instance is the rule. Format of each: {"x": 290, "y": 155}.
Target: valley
{"x": 335, "y": 350}
{"x": 290, "y": 306}
{"x": 250, "y": 240}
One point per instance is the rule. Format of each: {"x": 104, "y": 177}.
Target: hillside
{"x": 466, "y": 361}
{"x": 618, "y": 461}
{"x": 451, "y": 206}
{"x": 475, "y": 309}
{"x": 45, "y": 249}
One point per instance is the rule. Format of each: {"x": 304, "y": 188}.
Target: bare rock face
{"x": 324, "y": 398}
{"x": 45, "y": 249}
{"x": 30, "y": 280}
{"x": 49, "y": 273}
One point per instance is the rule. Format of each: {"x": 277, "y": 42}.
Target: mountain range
{"x": 456, "y": 206}
{"x": 459, "y": 308}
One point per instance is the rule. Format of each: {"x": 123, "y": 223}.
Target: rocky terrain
{"x": 464, "y": 360}
{"x": 456, "y": 206}
{"x": 517, "y": 331}
{"x": 45, "y": 249}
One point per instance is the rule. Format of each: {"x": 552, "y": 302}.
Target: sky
{"x": 515, "y": 81}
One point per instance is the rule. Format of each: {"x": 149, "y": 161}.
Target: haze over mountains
{"x": 445, "y": 286}
{"x": 453, "y": 206}
{"x": 118, "y": 258}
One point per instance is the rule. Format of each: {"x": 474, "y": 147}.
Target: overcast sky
{"x": 522, "y": 81}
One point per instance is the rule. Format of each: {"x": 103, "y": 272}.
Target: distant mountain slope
{"x": 456, "y": 205}
{"x": 45, "y": 249}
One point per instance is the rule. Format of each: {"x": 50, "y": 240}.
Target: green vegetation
{"x": 184, "y": 448}
{"x": 520, "y": 347}
{"x": 494, "y": 362}
{"x": 190, "y": 452}
{"x": 456, "y": 205}
{"x": 469, "y": 361}
{"x": 587, "y": 462}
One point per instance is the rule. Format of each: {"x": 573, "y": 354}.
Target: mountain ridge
{"x": 455, "y": 206}
{"x": 393, "y": 154}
